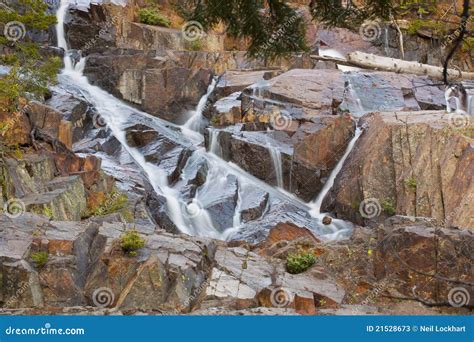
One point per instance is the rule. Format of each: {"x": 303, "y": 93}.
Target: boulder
{"x": 409, "y": 163}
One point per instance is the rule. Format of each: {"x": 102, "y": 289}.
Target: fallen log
{"x": 375, "y": 62}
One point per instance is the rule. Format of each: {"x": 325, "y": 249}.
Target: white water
{"x": 448, "y": 95}
{"x": 277, "y": 165}
{"x": 316, "y": 204}
{"x": 214, "y": 144}
{"x": 196, "y": 122}
{"x": 116, "y": 113}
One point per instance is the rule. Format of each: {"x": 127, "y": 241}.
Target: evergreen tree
{"x": 273, "y": 27}
{"x": 30, "y": 72}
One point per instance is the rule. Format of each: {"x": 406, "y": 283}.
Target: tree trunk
{"x": 370, "y": 61}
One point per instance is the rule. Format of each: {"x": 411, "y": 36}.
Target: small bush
{"x": 299, "y": 262}
{"x": 131, "y": 242}
{"x": 388, "y": 207}
{"x": 152, "y": 16}
{"x": 195, "y": 45}
{"x": 40, "y": 258}
{"x": 411, "y": 183}
{"x": 114, "y": 202}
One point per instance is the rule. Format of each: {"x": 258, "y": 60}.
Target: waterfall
{"x": 196, "y": 121}
{"x": 448, "y": 96}
{"x": 214, "y": 144}
{"x": 277, "y": 164}
{"x": 386, "y": 46}
{"x": 317, "y": 203}
{"x": 116, "y": 114}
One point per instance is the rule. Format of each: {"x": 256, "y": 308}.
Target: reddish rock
{"x": 409, "y": 163}
{"x": 65, "y": 133}
{"x": 15, "y": 128}
{"x": 305, "y": 305}
{"x": 44, "y": 117}
{"x": 288, "y": 232}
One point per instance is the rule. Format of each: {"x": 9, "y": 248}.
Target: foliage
{"x": 30, "y": 73}
{"x": 436, "y": 27}
{"x": 48, "y": 212}
{"x": 153, "y": 16}
{"x": 195, "y": 45}
{"x": 131, "y": 242}
{"x": 300, "y": 261}
{"x": 411, "y": 183}
{"x": 113, "y": 202}
{"x": 40, "y": 258}
{"x": 273, "y": 28}
{"x": 350, "y": 15}
{"x": 388, "y": 207}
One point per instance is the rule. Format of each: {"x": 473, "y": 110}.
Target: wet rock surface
{"x": 389, "y": 165}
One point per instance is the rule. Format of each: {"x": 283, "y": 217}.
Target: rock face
{"x": 443, "y": 262}
{"x": 163, "y": 83}
{"x": 181, "y": 274}
{"x": 171, "y": 273}
{"x": 410, "y": 163}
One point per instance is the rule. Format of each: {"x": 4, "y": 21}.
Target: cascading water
{"x": 115, "y": 113}
{"x": 196, "y": 122}
{"x": 317, "y": 203}
{"x": 277, "y": 165}
{"x": 214, "y": 144}
{"x": 188, "y": 216}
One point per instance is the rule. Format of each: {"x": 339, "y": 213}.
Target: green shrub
{"x": 31, "y": 73}
{"x": 411, "y": 183}
{"x": 388, "y": 207}
{"x": 114, "y": 202}
{"x": 195, "y": 45}
{"x": 299, "y": 262}
{"x": 39, "y": 258}
{"x": 152, "y": 16}
{"x": 131, "y": 242}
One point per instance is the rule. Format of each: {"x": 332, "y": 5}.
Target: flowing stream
{"x": 190, "y": 217}
{"x": 196, "y": 122}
